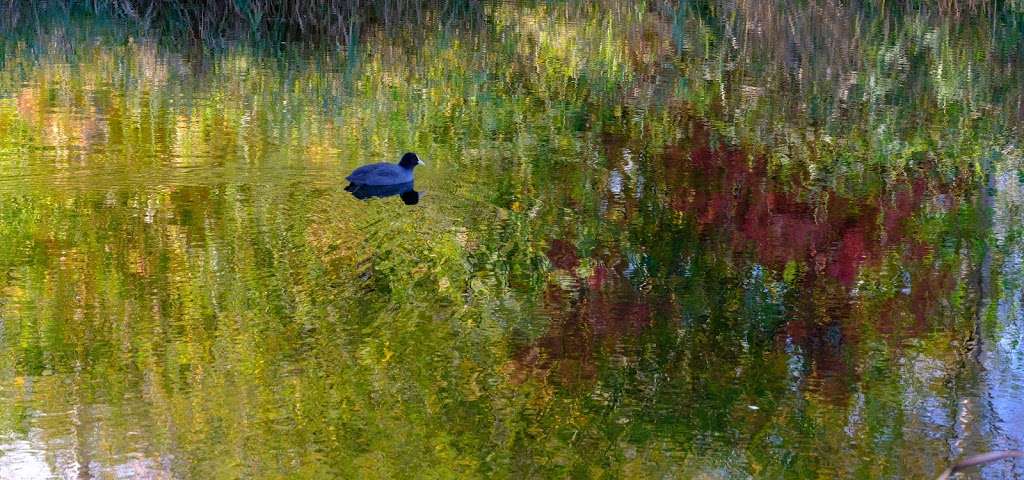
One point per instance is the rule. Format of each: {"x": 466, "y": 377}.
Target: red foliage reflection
{"x": 741, "y": 208}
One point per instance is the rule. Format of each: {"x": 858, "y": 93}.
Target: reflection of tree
{"x": 733, "y": 205}
{"x": 576, "y": 300}
{"x": 752, "y": 274}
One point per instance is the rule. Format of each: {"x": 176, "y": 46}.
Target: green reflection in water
{"x": 697, "y": 242}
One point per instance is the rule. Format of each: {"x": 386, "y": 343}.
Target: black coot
{"x": 386, "y": 173}
{"x": 385, "y": 180}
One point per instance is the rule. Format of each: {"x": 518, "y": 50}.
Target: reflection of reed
{"x": 983, "y": 274}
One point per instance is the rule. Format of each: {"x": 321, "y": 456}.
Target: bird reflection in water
{"x": 403, "y": 190}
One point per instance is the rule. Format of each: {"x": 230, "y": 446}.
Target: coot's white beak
{"x": 420, "y": 161}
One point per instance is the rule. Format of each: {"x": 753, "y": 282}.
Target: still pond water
{"x": 651, "y": 242}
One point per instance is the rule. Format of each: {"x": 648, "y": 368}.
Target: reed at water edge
{"x": 327, "y": 21}
{"x": 341, "y": 22}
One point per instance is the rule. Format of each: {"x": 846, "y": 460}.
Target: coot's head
{"x": 409, "y": 161}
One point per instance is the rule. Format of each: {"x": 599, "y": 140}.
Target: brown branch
{"x": 979, "y": 459}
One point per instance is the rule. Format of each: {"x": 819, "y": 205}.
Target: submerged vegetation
{"x": 658, "y": 239}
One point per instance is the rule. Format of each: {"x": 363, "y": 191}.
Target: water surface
{"x": 652, "y": 241}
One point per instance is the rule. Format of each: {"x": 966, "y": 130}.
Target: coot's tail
{"x": 351, "y": 187}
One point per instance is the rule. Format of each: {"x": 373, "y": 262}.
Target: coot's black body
{"x": 380, "y": 174}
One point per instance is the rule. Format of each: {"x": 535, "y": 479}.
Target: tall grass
{"x": 341, "y": 22}
{"x": 328, "y": 21}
